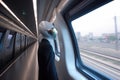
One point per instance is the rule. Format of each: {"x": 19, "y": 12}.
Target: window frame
{"x": 85, "y": 70}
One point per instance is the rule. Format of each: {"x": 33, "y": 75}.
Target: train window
{"x": 98, "y": 37}
{"x": 17, "y": 43}
{"x": 0, "y": 35}
{"x": 2, "y": 30}
{"x": 9, "y": 39}
{"x": 22, "y": 41}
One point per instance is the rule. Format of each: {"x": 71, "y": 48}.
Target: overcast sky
{"x": 100, "y": 20}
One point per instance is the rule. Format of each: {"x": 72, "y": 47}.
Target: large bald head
{"x": 47, "y": 29}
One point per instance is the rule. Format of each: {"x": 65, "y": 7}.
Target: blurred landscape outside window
{"x": 98, "y": 35}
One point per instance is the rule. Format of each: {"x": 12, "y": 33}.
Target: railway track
{"x": 102, "y": 63}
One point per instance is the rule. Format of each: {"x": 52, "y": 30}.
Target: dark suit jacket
{"x": 46, "y": 57}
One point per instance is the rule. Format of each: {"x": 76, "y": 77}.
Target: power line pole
{"x": 116, "y": 32}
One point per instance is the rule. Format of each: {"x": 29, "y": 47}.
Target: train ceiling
{"x": 24, "y": 10}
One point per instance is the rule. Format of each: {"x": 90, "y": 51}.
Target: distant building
{"x": 78, "y": 35}
{"x": 108, "y": 37}
{"x": 90, "y": 36}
